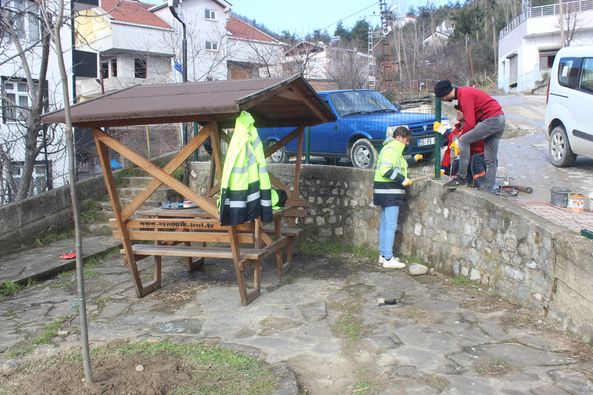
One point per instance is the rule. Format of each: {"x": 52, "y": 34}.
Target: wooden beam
{"x": 169, "y": 168}
{"x": 162, "y": 176}
{"x": 308, "y": 104}
{"x": 209, "y": 237}
{"x": 283, "y": 141}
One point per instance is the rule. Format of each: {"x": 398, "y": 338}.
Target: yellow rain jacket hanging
{"x": 245, "y": 186}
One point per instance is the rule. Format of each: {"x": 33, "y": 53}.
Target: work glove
{"x": 439, "y": 128}
{"x": 418, "y": 157}
{"x": 407, "y": 182}
{"x": 455, "y": 148}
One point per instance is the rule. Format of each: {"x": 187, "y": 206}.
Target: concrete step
{"x": 159, "y": 194}
{"x": 97, "y": 229}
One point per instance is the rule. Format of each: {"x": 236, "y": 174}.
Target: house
{"x": 206, "y": 32}
{"x": 528, "y": 44}
{"x": 253, "y": 53}
{"x": 131, "y": 44}
{"x": 326, "y": 67}
{"x": 19, "y": 85}
{"x": 441, "y": 34}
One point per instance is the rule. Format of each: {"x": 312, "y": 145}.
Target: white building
{"x": 528, "y": 45}
{"x": 252, "y": 53}
{"x": 132, "y": 46}
{"x": 18, "y": 93}
{"x": 207, "y": 50}
{"x": 441, "y": 34}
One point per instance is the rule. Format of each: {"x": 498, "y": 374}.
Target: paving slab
{"x": 431, "y": 342}
{"x": 43, "y": 262}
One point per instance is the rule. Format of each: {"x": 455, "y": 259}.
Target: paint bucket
{"x": 559, "y": 196}
{"x": 589, "y": 203}
{"x": 576, "y": 202}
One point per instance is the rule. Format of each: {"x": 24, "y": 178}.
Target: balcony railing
{"x": 570, "y": 7}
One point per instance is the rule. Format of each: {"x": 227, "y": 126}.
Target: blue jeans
{"x": 387, "y": 227}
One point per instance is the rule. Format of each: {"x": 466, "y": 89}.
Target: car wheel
{"x": 561, "y": 154}
{"x": 362, "y": 154}
{"x": 331, "y": 160}
{"x": 280, "y": 156}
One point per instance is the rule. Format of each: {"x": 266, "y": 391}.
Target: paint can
{"x": 559, "y": 196}
{"x": 576, "y": 202}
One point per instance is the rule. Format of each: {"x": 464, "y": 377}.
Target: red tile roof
{"x": 131, "y": 11}
{"x": 241, "y": 29}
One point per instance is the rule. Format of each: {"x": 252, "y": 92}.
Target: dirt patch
{"x": 162, "y": 374}
{"x": 144, "y": 368}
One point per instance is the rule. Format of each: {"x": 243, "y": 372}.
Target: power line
{"x": 351, "y": 15}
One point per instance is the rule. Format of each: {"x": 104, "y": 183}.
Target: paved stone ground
{"x": 438, "y": 339}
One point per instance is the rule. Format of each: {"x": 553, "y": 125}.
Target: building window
{"x": 26, "y": 20}
{"x": 209, "y": 14}
{"x": 114, "y": 67}
{"x": 104, "y": 70}
{"x": 15, "y": 99}
{"x": 211, "y": 46}
{"x": 39, "y": 182}
{"x": 140, "y": 68}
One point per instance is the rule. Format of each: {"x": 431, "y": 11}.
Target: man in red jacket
{"x": 476, "y": 172}
{"x": 484, "y": 120}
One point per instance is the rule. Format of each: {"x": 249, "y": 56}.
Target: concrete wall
{"x": 485, "y": 238}
{"x": 50, "y": 212}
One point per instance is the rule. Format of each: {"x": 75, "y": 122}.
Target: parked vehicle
{"x": 570, "y": 98}
{"x": 362, "y": 119}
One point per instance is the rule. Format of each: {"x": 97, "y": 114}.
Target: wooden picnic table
{"x": 198, "y": 233}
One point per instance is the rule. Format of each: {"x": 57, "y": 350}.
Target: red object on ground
{"x": 68, "y": 255}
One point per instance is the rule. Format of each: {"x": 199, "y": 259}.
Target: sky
{"x": 303, "y": 16}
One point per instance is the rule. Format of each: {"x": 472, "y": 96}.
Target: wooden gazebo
{"x": 184, "y": 233}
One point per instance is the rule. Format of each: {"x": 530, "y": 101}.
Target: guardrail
{"x": 546, "y": 10}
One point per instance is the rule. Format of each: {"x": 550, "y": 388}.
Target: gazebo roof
{"x": 272, "y": 102}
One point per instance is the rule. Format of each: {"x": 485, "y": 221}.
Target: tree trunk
{"x": 73, "y": 196}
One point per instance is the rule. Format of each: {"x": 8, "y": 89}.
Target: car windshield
{"x": 361, "y": 102}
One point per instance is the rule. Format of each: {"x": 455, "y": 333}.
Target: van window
{"x": 586, "y": 83}
{"x": 568, "y": 72}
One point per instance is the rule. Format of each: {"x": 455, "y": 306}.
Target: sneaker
{"x": 381, "y": 259}
{"x": 393, "y": 263}
{"x": 454, "y": 183}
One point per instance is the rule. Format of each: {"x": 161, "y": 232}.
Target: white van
{"x": 569, "y": 111}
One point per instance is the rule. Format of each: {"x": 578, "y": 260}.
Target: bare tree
{"x": 348, "y": 68}
{"x": 53, "y": 17}
{"x": 25, "y": 49}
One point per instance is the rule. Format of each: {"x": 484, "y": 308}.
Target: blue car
{"x": 362, "y": 119}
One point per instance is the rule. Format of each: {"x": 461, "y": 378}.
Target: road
{"x": 525, "y": 159}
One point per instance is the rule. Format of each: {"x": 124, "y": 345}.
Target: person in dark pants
{"x": 484, "y": 120}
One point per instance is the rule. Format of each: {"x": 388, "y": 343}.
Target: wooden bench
{"x": 290, "y": 234}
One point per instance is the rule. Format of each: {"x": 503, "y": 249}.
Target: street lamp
{"x": 173, "y": 4}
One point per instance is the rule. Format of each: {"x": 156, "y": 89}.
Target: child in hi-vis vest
{"x": 389, "y": 193}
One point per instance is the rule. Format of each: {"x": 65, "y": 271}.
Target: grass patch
{"x": 365, "y": 383}
{"x": 490, "y": 366}
{"x": 413, "y": 259}
{"x": 50, "y": 331}
{"x": 332, "y": 248}
{"x": 51, "y": 237}
{"x": 90, "y": 213}
{"x": 462, "y": 281}
{"x": 8, "y": 288}
{"x": 216, "y": 369}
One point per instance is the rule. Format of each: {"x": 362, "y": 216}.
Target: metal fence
{"x": 570, "y": 7}
{"x": 150, "y": 141}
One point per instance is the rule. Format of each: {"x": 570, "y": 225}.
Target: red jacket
{"x": 476, "y": 106}
{"x": 475, "y": 148}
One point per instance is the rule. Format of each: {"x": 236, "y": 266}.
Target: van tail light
{"x": 548, "y": 91}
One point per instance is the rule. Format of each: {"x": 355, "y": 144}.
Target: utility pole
{"x": 494, "y": 45}
{"x": 562, "y": 33}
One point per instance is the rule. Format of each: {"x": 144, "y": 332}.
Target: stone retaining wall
{"x": 484, "y": 238}
{"x": 23, "y": 222}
